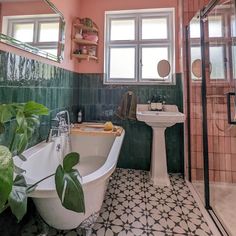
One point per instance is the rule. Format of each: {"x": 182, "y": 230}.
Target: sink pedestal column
{"x": 158, "y": 173}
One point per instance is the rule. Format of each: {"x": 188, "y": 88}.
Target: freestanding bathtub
{"x": 98, "y": 159}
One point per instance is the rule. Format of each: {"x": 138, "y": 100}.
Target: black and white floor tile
{"x": 133, "y": 207}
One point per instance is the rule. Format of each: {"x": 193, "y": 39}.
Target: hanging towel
{"x": 127, "y": 108}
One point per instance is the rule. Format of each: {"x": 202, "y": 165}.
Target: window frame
{"x": 139, "y": 43}
{"x": 10, "y": 21}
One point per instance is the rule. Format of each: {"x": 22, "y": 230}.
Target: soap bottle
{"x": 79, "y": 119}
{"x": 159, "y": 103}
{"x": 153, "y": 104}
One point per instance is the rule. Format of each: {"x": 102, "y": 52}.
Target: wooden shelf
{"x": 85, "y": 42}
{"x": 84, "y": 45}
{"x": 84, "y": 27}
{"x": 85, "y": 57}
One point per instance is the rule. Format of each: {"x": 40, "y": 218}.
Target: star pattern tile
{"x": 133, "y": 206}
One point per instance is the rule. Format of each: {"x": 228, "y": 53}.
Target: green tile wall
{"x": 99, "y": 103}
{"x": 22, "y": 79}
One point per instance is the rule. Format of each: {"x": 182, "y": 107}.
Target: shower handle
{"x": 230, "y": 121}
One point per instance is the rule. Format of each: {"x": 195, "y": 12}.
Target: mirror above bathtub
{"x": 35, "y": 26}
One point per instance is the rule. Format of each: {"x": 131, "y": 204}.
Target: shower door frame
{"x": 203, "y": 14}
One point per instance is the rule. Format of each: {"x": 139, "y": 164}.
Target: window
{"x": 134, "y": 44}
{"x": 41, "y": 32}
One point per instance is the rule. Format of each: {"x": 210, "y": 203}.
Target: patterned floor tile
{"x": 133, "y": 206}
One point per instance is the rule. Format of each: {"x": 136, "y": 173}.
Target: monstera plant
{"x": 24, "y": 118}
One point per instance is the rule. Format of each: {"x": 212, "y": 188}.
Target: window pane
{"x": 49, "y": 32}
{"x": 234, "y": 61}
{"x": 217, "y": 62}
{"x": 215, "y": 26}
{"x": 195, "y": 28}
{"x": 24, "y": 32}
{"x": 154, "y": 28}
{"x": 150, "y": 58}
{"x": 233, "y": 26}
{"x": 195, "y": 55}
{"x": 123, "y": 29}
{"x": 122, "y": 63}
{"x": 51, "y": 51}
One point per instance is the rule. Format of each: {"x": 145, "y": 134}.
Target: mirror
{"x": 197, "y": 68}
{"x": 163, "y": 68}
{"x": 35, "y": 26}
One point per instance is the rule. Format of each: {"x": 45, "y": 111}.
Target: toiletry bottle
{"x": 153, "y": 104}
{"x": 79, "y": 117}
{"x": 159, "y": 103}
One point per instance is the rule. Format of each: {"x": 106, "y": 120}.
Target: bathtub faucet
{"x": 63, "y": 125}
{"x": 63, "y": 118}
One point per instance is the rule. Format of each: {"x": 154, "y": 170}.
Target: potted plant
{"x": 14, "y": 190}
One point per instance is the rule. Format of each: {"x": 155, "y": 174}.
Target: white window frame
{"x": 10, "y": 21}
{"x": 139, "y": 43}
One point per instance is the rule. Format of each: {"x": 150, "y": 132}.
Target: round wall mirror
{"x": 163, "y": 68}
{"x": 197, "y": 68}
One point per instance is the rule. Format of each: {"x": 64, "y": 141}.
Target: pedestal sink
{"x": 159, "y": 121}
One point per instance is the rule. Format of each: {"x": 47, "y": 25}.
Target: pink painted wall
{"x": 70, "y": 11}
{"x": 25, "y": 8}
{"x": 97, "y": 15}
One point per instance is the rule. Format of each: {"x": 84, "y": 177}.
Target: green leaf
{"x": 5, "y": 113}
{"x": 32, "y": 107}
{"x": 70, "y": 160}
{"x": 69, "y": 189}
{"x": 22, "y": 143}
{"x": 18, "y": 197}
{"x": 6, "y": 174}
{"x": 2, "y": 128}
{"x": 33, "y": 120}
{"x": 21, "y": 122}
{"x": 22, "y": 157}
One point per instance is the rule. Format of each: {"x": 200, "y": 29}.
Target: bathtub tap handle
{"x": 50, "y": 134}
{"x": 58, "y": 148}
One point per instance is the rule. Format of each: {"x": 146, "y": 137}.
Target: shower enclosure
{"x": 211, "y": 62}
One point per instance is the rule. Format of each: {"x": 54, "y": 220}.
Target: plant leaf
{"x": 35, "y": 108}
{"x": 21, "y": 122}
{"x": 22, "y": 157}
{"x": 5, "y": 113}
{"x": 2, "y": 128}
{"x": 18, "y": 197}
{"x": 69, "y": 189}
{"x": 70, "y": 160}
{"x": 22, "y": 143}
{"x": 6, "y": 174}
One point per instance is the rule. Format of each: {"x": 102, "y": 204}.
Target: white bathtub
{"x": 98, "y": 158}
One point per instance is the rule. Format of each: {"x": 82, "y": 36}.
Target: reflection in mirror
{"x": 33, "y": 25}
{"x": 197, "y": 68}
{"x": 195, "y": 48}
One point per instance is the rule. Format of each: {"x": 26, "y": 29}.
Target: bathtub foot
{"x": 85, "y": 228}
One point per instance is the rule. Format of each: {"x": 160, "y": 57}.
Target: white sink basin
{"x": 160, "y": 118}
{"x": 159, "y": 121}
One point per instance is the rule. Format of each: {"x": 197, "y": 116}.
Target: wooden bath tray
{"x": 95, "y": 129}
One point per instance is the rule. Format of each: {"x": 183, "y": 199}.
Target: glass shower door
{"x": 219, "y": 31}
{"x": 195, "y": 107}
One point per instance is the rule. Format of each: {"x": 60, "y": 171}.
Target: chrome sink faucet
{"x": 63, "y": 127}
